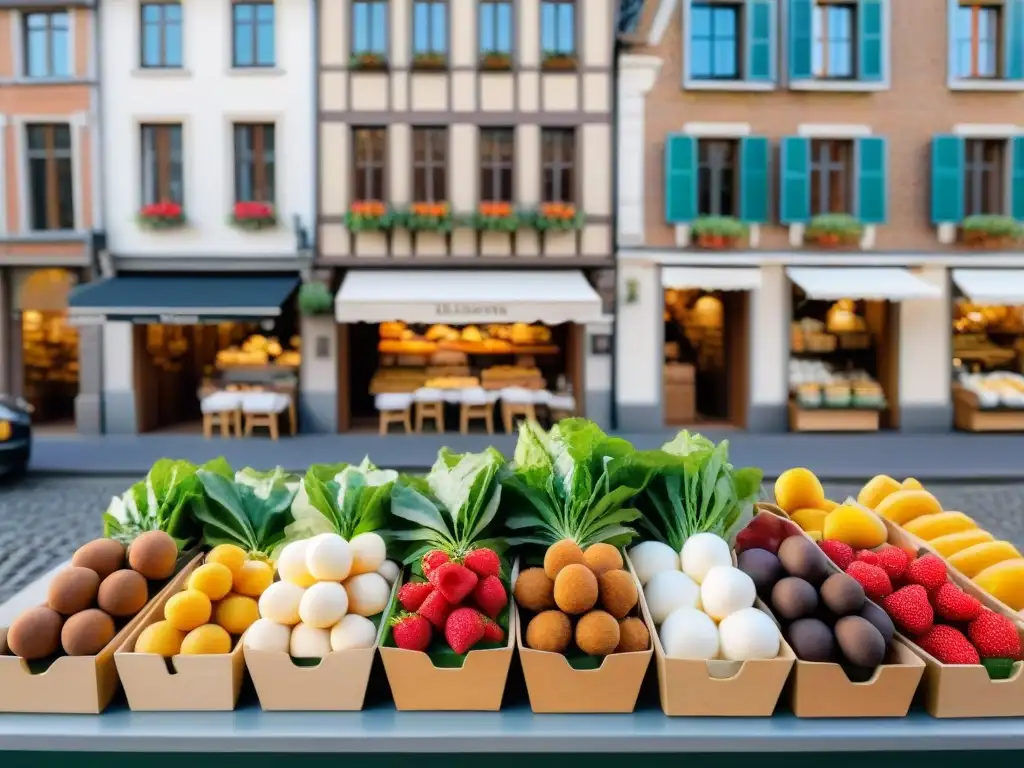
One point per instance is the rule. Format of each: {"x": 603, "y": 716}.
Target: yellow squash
{"x": 951, "y": 543}
{"x": 1005, "y": 582}
{"x": 978, "y": 557}
{"x": 903, "y": 506}
{"x": 930, "y": 527}
{"x": 876, "y": 489}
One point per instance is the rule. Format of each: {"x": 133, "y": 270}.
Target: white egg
{"x": 689, "y": 634}
{"x": 329, "y": 557}
{"x": 267, "y": 635}
{"x": 368, "y": 553}
{"x": 651, "y": 557}
{"x": 309, "y": 642}
{"x": 352, "y": 633}
{"x": 323, "y": 604}
{"x": 701, "y": 553}
{"x": 390, "y": 570}
{"x": 368, "y": 594}
{"x": 291, "y": 564}
{"x": 749, "y": 634}
{"x": 669, "y": 590}
{"x": 280, "y": 602}
{"x": 726, "y": 590}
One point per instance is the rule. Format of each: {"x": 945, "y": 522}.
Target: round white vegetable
{"x": 309, "y": 642}
{"x": 368, "y": 594}
{"x": 701, "y": 553}
{"x": 352, "y": 633}
{"x": 653, "y": 557}
{"x": 748, "y": 634}
{"x": 291, "y": 564}
{"x": 267, "y": 635}
{"x": 390, "y": 570}
{"x": 368, "y": 553}
{"x": 726, "y": 590}
{"x": 280, "y": 603}
{"x": 669, "y": 590}
{"x": 689, "y": 634}
{"x": 323, "y": 604}
{"x": 329, "y": 557}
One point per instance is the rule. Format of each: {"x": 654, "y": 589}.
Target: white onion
{"x": 368, "y": 594}
{"x": 280, "y": 602}
{"x": 329, "y": 557}
{"x": 309, "y": 642}
{"x": 689, "y": 634}
{"x": 726, "y": 590}
{"x": 291, "y": 564}
{"x": 702, "y": 552}
{"x": 390, "y": 570}
{"x": 324, "y": 604}
{"x": 668, "y": 591}
{"x": 749, "y": 634}
{"x": 267, "y": 635}
{"x": 651, "y": 557}
{"x": 352, "y": 633}
{"x": 368, "y": 553}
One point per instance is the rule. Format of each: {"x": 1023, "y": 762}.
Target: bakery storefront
{"x": 461, "y": 350}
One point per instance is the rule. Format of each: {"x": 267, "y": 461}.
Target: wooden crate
{"x": 832, "y": 419}
{"x": 968, "y": 417}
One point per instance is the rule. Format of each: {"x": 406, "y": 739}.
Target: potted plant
{"x": 428, "y": 217}
{"x": 992, "y": 231}
{"x": 164, "y": 215}
{"x": 368, "y": 61}
{"x": 431, "y": 62}
{"x": 496, "y": 217}
{"x": 253, "y": 215}
{"x": 369, "y": 216}
{"x": 834, "y": 230}
{"x": 496, "y": 61}
{"x": 559, "y": 62}
{"x": 557, "y": 217}
{"x": 718, "y": 232}
{"x": 315, "y": 299}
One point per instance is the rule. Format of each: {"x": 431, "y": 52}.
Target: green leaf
{"x": 253, "y": 517}
{"x": 416, "y": 508}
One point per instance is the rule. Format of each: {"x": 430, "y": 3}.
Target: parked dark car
{"x": 15, "y": 435}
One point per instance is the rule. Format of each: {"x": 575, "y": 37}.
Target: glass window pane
{"x": 421, "y": 31}
{"x": 700, "y": 58}
{"x": 487, "y": 25}
{"x": 243, "y": 12}
{"x": 59, "y": 48}
{"x": 438, "y": 28}
{"x": 360, "y": 27}
{"x": 172, "y": 12}
{"x": 548, "y": 39}
{"x": 725, "y": 22}
{"x": 36, "y": 56}
{"x": 265, "y": 12}
{"x": 37, "y": 174}
{"x": 700, "y": 21}
{"x": 841, "y": 54}
{"x": 172, "y": 45}
{"x": 244, "y": 54}
{"x": 378, "y": 28}
{"x": 725, "y": 59}
{"x": 265, "y": 42}
{"x": 65, "y": 194}
{"x": 566, "y": 28}
{"x": 62, "y": 138}
{"x": 150, "y": 45}
{"x": 504, "y": 34}
{"x": 963, "y": 59}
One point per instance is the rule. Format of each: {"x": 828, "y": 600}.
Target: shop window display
{"x": 50, "y": 360}
{"x": 988, "y": 361}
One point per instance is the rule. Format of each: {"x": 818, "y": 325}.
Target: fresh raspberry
{"x": 435, "y": 609}
{"x": 874, "y": 580}
{"x": 953, "y": 604}
{"x": 431, "y": 561}
{"x": 948, "y": 645}
{"x": 483, "y": 562}
{"x": 894, "y": 562}
{"x": 493, "y": 633}
{"x": 490, "y": 596}
{"x": 867, "y": 556}
{"x": 413, "y": 593}
{"x": 909, "y": 608}
{"x": 928, "y": 570}
{"x": 995, "y": 636}
{"x": 411, "y": 632}
{"x": 839, "y": 552}
{"x": 464, "y": 629}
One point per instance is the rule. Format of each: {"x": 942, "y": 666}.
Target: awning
{"x": 461, "y": 297}
{"x": 711, "y": 278}
{"x": 991, "y": 286}
{"x": 181, "y": 299}
{"x": 884, "y": 283}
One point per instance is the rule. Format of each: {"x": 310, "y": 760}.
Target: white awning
{"x": 461, "y": 297}
{"x": 991, "y": 286}
{"x": 884, "y": 283}
{"x": 711, "y": 278}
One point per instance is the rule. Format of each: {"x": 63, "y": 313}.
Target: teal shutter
{"x": 754, "y": 164}
{"x": 680, "y": 178}
{"x": 1017, "y": 177}
{"x": 1014, "y": 47}
{"x": 801, "y": 39}
{"x": 871, "y": 41}
{"x": 760, "y": 38}
{"x": 872, "y": 204}
{"x": 947, "y": 179}
{"x": 795, "y": 180}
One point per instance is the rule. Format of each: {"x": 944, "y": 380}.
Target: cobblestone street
{"x": 43, "y": 519}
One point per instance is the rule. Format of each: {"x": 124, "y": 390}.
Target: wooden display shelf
{"x": 970, "y": 417}
{"x": 833, "y": 419}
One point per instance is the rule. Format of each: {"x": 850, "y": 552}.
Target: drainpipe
{"x": 613, "y": 390}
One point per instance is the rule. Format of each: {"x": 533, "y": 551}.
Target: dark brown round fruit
{"x": 101, "y": 555}
{"x": 794, "y": 598}
{"x": 534, "y": 591}
{"x": 633, "y": 636}
{"x": 811, "y": 640}
{"x": 763, "y": 567}
{"x": 154, "y": 555}
{"x": 550, "y": 631}
{"x": 597, "y": 633}
{"x": 861, "y": 643}
{"x": 617, "y": 593}
{"x": 123, "y": 593}
{"x": 35, "y": 634}
{"x": 842, "y": 594}
{"x": 87, "y": 633}
{"x": 879, "y": 619}
{"x": 803, "y": 558}
{"x": 73, "y": 590}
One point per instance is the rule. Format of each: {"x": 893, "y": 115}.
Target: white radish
{"x": 329, "y": 557}
{"x": 368, "y": 553}
{"x": 269, "y": 636}
{"x": 390, "y": 570}
{"x": 324, "y": 604}
{"x": 291, "y": 564}
{"x": 651, "y": 557}
{"x": 353, "y": 633}
{"x": 309, "y": 642}
{"x": 368, "y": 594}
{"x": 280, "y": 603}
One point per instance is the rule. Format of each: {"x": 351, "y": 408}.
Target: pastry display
{"x": 816, "y": 384}
{"x": 453, "y": 382}
{"x": 1000, "y": 389}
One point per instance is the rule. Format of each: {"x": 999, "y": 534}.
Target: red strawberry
{"x": 435, "y": 609}
{"x": 483, "y": 562}
{"x": 839, "y": 552}
{"x": 948, "y": 645}
{"x": 869, "y": 557}
{"x": 431, "y": 561}
{"x": 464, "y": 629}
{"x": 995, "y": 636}
{"x": 894, "y": 562}
{"x": 413, "y": 593}
{"x": 928, "y": 570}
{"x": 455, "y": 581}
{"x": 411, "y": 632}
{"x": 909, "y": 608}
{"x": 493, "y": 633}
{"x": 874, "y": 580}
{"x": 953, "y": 604}
{"x": 490, "y": 596}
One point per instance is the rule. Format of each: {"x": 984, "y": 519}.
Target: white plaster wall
{"x": 636, "y": 78}
{"x": 637, "y": 354}
{"x": 118, "y": 367}
{"x": 597, "y": 374}
{"x": 925, "y": 341}
{"x": 769, "y": 342}
{"x": 206, "y": 97}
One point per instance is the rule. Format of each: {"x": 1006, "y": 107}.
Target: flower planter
{"x": 369, "y": 62}
{"x": 428, "y": 217}
{"x": 496, "y": 217}
{"x": 716, "y": 242}
{"x": 429, "y": 62}
{"x": 161, "y": 216}
{"x": 252, "y": 216}
{"x": 369, "y": 216}
{"x": 991, "y": 232}
{"x": 496, "y": 62}
{"x": 557, "y": 217}
{"x": 834, "y": 231}
{"x": 557, "y": 62}
{"x": 718, "y": 233}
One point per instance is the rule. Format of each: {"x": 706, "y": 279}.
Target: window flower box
{"x": 430, "y": 62}
{"x": 369, "y": 216}
{"x": 428, "y": 217}
{"x": 496, "y": 217}
{"x": 559, "y": 62}
{"x": 992, "y": 231}
{"x": 368, "y": 61}
{"x": 557, "y": 217}
{"x": 315, "y": 299}
{"x": 496, "y": 61}
{"x": 718, "y": 232}
{"x": 834, "y": 230}
{"x": 253, "y": 216}
{"x": 161, "y": 216}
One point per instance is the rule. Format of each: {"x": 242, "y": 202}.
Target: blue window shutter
{"x": 872, "y": 205}
{"x": 947, "y": 179}
{"x": 795, "y": 180}
{"x": 871, "y": 40}
{"x": 680, "y": 178}
{"x": 1017, "y": 177}
{"x": 1014, "y": 47}
{"x": 760, "y": 40}
{"x": 801, "y": 39}
{"x": 754, "y": 165}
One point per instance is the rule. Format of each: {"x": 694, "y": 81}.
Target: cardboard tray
{"x": 337, "y": 684}
{"x": 477, "y": 686}
{"x": 555, "y": 687}
{"x": 198, "y": 683}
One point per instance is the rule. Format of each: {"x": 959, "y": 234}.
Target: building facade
{"x": 781, "y": 156}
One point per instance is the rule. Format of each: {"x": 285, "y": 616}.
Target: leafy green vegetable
{"x": 696, "y": 490}
{"x": 264, "y": 481}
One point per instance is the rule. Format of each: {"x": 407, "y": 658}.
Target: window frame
{"x": 739, "y": 41}
{"x": 48, "y": 36}
{"x": 493, "y": 167}
{"x": 821, "y": 170}
{"x": 430, "y": 153}
{"x": 368, "y": 5}
{"x": 721, "y": 164}
{"x": 51, "y": 155}
{"x": 976, "y": 167}
{"x": 822, "y": 40}
{"x": 558, "y": 50}
{"x": 255, "y": 25}
{"x": 430, "y": 51}
{"x": 258, "y": 157}
{"x": 365, "y": 170}
{"x": 495, "y": 26}
{"x": 556, "y": 165}
{"x": 973, "y": 38}
{"x": 163, "y": 139}
{"x": 162, "y": 25}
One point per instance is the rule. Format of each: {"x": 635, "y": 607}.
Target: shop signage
{"x": 469, "y": 309}
{"x": 601, "y": 344}
{"x": 179, "y": 319}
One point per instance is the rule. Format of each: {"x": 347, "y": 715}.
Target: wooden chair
{"x": 394, "y": 408}
{"x": 517, "y": 402}
{"x": 476, "y": 404}
{"x": 264, "y": 409}
{"x": 429, "y": 404}
{"x": 223, "y": 409}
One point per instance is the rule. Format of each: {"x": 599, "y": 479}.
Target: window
{"x": 254, "y": 163}
{"x": 496, "y": 27}
{"x": 430, "y": 165}
{"x": 161, "y": 35}
{"x": 162, "y": 167}
{"x": 831, "y": 177}
{"x": 835, "y": 41}
{"x": 430, "y": 28}
{"x": 497, "y": 148}
{"x": 253, "y": 38}
{"x": 50, "y": 177}
{"x": 558, "y": 161}
{"x": 369, "y": 27}
{"x": 716, "y": 185}
{"x": 370, "y": 162}
{"x": 47, "y": 45}
{"x": 976, "y": 40}
{"x": 984, "y": 161}
{"x": 715, "y": 41}
{"x": 558, "y": 28}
